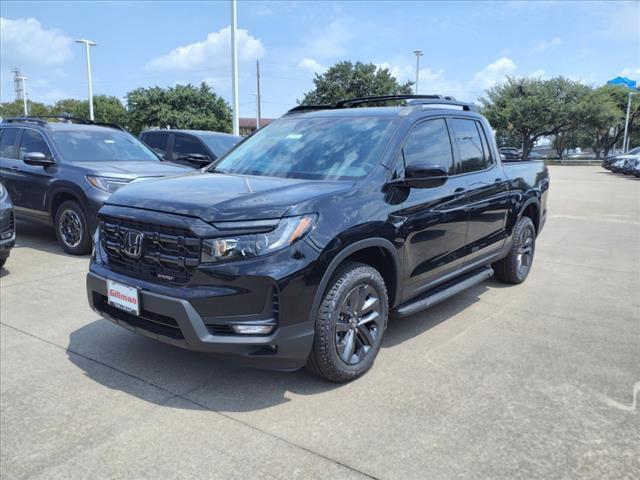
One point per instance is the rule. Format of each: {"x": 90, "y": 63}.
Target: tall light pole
{"x": 24, "y": 94}
{"x": 418, "y": 54}
{"x": 87, "y": 44}
{"x": 234, "y": 69}
{"x": 625, "y": 143}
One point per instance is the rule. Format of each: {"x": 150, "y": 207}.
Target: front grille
{"x": 152, "y": 322}
{"x": 12, "y": 221}
{"x": 168, "y": 254}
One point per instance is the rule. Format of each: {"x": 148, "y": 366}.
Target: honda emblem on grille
{"x": 132, "y": 244}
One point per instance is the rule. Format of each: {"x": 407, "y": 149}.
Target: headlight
{"x": 288, "y": 231}
{"x": 107, "y": 184}
{"x": 2, "y": 190}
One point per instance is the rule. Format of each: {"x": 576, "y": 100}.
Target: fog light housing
{"x": 253, "y": 329}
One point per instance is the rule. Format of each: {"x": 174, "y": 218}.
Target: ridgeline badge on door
{"x": 132, "y": 244}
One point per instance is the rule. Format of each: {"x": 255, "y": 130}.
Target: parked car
{"x": 533, "y": 155}
{"x": 511, "y": 153}
{"x": 629, "y": 165}
{"x": 7, "y": 225}
{"x": 618, "y": 164}
{"x": 296, "y": 246}
{"x": 60, "y": 173}
{"x": 611, "y": 159}
{"x": 193, "y": 148}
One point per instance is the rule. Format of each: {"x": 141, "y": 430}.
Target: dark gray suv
{"x": 193, "y": 148}
{"x": 60, "y": 173}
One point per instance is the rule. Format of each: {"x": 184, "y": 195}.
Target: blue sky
{"x": 468, "y": 46}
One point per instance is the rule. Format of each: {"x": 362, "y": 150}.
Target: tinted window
{"x": 100, "y": 146}
{"x": 8, "y": 147}
{"x": 220, "y": 144}
{"x": 33, "y": 142}
{"x": 312, "y": 147}
{"x": 469, "y": 145}
{"x": 184, "y": 146}
{"x": 157, "y": 142}
{"x": 429, "y": 142}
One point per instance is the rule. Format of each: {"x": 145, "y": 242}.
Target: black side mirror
{"x": 37, "y": 159}
{"x": 425, "y": 175}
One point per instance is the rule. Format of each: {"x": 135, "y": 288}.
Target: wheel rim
{"x": 525, "y": 252}
{"x": 359, "y": 324}
{"x": 70, "y": 228}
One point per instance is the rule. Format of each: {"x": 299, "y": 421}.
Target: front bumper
{"x": 175, "y": 321}
{"x": 7, "y": 244}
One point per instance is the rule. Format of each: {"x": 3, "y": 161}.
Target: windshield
{"x": 220, "y": 144}
{"x": 314, "y": 148}
{"x": 101, "y": 146}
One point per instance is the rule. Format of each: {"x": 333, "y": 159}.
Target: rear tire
{"x": 350, "y": 324}
{"x": 72, "y": 230}
{"x": 2, "y": 262}
{"x": 515, "y": 267}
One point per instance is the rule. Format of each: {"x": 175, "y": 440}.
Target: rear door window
{"x": 184, "y": 146}
{"x": 157, "y": 142}
{"x": 9, "y": 143}
{"x": 33, "y": 142}
{"x": 469, "y": 144}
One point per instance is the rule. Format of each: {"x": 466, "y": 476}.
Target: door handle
{"x": 14, "y": 168}
{"x": 497, "y": 180}
{"x": 459, "y": 192}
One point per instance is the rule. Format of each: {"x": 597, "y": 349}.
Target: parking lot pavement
{"x": 539, "y": 380}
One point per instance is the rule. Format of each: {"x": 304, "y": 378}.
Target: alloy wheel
{"x": 70, "y": 228}
{"x": 359, "y": 324}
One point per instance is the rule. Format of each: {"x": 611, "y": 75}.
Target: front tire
{"x": 72, "y": 229}
{"x": 515, "y": 267}
{"x": 350, "y": 325}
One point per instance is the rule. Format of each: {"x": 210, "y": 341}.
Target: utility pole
{"x": 87, "y": 44}
{"x": 258, "y": 114}
{"x": 234, "y": 69}
{"x": 24, "y": 94}
{"x": 17, "y": 83}
{"x": 418, "y": 54}
{"x": 625, "y": 141}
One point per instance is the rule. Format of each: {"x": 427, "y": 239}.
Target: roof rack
{"x": 410, "y": 100}
{"x": 38, "y": 119}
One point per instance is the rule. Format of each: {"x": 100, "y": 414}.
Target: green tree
{"x": 603, "y": 117}
{"x": 107, "y": 109}
{"x": 348, "y": 80}
{"x": 16, "y": 109}
{"x": 182, "y": 106}
{"x": 530, "y": 108}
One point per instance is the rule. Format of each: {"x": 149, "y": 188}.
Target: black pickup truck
{"x": 297, "y": 246}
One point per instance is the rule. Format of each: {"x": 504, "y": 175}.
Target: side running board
{"x": 443, "y": 292}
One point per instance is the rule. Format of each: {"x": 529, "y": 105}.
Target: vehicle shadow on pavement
{"x": 39, "y": 237}
{"x": 156, "y": 372}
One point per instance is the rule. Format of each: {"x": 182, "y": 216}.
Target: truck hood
{"x": 132, "y": 169}
{"x": 216, "y": 197}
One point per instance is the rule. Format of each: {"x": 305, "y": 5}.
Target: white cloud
{"x": 495, "y": 72}
{"x": 544, "y": 45}
{"x": 26, "y": 41}
{"x": 632, "y": 73}
{"x": 214, "y": 51}
{"x": 402, "y": 74}
{"x": 311, "y": 65}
